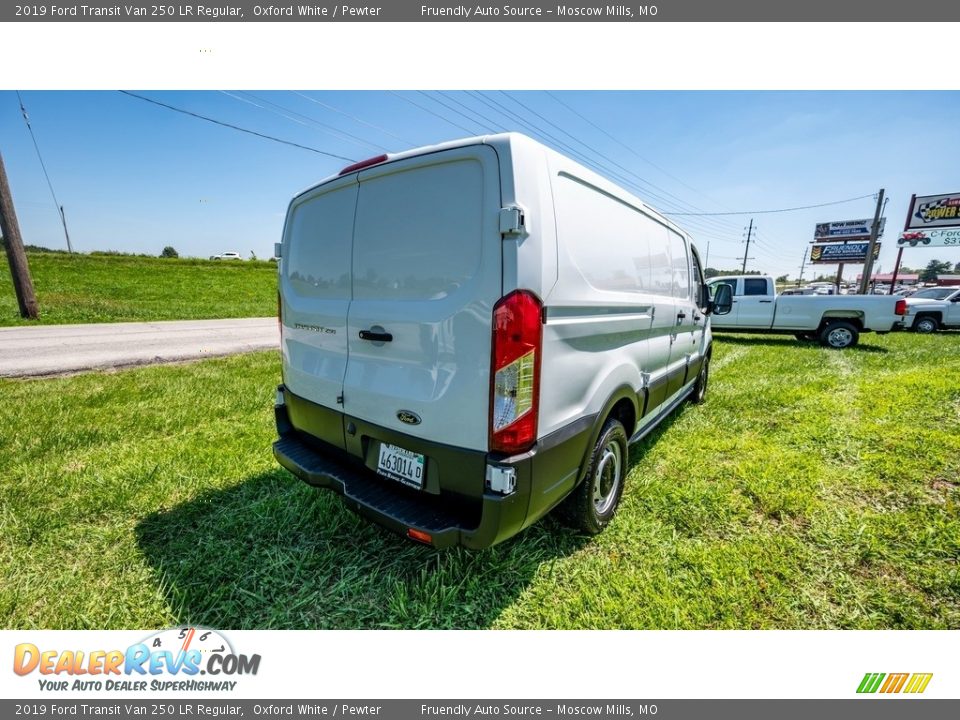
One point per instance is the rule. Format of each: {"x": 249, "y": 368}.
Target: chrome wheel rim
{"x": 607, "y": 477}
{"x": 925, "y": 326}
{"x": 840, "y": 337}
{"x": 704, "y": 374}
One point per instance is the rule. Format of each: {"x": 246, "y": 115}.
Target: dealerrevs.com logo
{"x": 169, "y": 660}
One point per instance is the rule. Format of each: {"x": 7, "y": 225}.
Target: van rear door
{"x": 426, "y": 269}
{"x": 315, "y": 290}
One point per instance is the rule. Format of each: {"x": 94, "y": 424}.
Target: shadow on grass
{"x": 783, "y": 340}
{"x": 271, "y": 552}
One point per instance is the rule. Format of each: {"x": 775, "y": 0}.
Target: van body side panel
{"x": 426, "y": 270}
{"x": 610, "y": 318}
{"x": 316, "y": 291}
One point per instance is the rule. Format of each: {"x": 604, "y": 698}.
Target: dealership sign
{"x": 945, "y": 237}
{"x": 847, "y": 229}
{"x": 934, "y": 211}
{"x": 834, "y": 253}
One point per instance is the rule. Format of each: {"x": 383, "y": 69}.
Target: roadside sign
{"x": 834, "y": 253}
{"x": 934, "y": 211}
{"x": 847, "y": 229}
{"x": 944, "y": 237}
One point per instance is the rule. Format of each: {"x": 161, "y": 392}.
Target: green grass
{"x": 116, "y": 288}
{"x": 814, "y": 489}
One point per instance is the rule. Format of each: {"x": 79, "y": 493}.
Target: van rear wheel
{"x": 594, "y": 502}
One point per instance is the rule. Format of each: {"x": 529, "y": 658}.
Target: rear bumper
{"x": 476, "y": 521}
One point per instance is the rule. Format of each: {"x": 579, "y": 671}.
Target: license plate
{"x": 401, "y": 465}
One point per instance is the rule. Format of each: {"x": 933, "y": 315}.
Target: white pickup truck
{"x": 933, "y": 308}
{"x": 835, "y": 320}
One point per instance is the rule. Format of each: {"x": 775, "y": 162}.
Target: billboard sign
{"x": 847, "y": 229}
{"x": 943, "y": 237}
{"x": 834, "y": 253}
{"x": 934, "y": 211}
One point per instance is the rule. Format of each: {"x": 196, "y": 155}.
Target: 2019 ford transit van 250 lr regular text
{"x": 472, "y": 332}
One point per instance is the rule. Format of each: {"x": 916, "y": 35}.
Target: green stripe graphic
{"x": 870, "y": 682}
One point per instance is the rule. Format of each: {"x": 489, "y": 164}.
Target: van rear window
{"x": 418, "y": 232}
{"x": 319, "y": 240}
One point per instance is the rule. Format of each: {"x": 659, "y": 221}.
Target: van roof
{"x": 513, "y": 141}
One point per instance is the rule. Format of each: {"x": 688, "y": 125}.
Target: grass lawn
{"x": 115, "y": 288}
{"x": 814, "y": 489}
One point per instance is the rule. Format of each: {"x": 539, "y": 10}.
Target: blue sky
{"x": 136, "y": 177}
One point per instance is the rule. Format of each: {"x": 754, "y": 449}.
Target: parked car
{"x": 931, "y": 309}
{"x": 472, "y": 333}
{"x": 227, "y": 256}
{"x": 835, "y": 320}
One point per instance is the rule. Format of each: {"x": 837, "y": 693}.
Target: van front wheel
{"x": 700, "y": 388}
{"x": 593, "y": 504}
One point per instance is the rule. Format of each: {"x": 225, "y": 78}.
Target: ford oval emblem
{"x": 410, "y": 418}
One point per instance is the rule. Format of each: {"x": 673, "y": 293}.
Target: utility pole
{"x": 803, "y": 264}
{"x": 63, "y": 219}
{"x": 747, "y": 251}
{"x": 874, "y": 231}
{"x": 19, "y": 269}
{"x": 906, "y": 226}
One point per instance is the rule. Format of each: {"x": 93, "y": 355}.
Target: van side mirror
{"x": 722, "y": 299}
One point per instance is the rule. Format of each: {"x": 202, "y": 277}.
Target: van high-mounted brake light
{"x": 363, "y": 164}
{"x": 515, "y": 372}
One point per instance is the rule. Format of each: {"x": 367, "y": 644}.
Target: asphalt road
{"x": 56, "y": 349}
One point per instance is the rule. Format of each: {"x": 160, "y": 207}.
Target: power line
{"x": 354, "y": 118}
{"x": 236, "y": 127}
{"x": 718, "y": 223}
{"x": 701, "y": 225}
{"x": 428, "y": 110}
{"x": 779, "y": 210}
{"x": 306, "y": 122}
{"x": 630, "y": 149}
{"x": 63, "y": 217}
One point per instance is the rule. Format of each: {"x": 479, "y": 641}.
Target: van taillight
{"x": 279, "y": 311}
{"x": 901, "y": 307}
{"x": 363, "y": 164}
{"x": 515, "y": 372}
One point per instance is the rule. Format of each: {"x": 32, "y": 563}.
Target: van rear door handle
{"x": 375, "y": 336}
{"x": 766, "y": 301}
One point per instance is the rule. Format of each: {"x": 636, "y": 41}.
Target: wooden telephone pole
{"x": 19, "y": 269}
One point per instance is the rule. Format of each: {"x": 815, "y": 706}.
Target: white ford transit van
{"x": 473, "y": 332}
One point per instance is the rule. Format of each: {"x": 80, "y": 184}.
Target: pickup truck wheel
{"x": 926, "y": 324}
{"x": 592, "y": 505}
{"x": 700, "y": 388}
{"x": 839, "y": 334}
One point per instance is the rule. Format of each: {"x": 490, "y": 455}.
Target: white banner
{"x": 450, "y": 664}
{"x": 944, "y": 237}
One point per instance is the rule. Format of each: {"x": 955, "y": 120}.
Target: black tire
{"x": 926, "y": 324}
{"x": 839, "y": 334}
{"x": 594, "y": 502}
{"x": 805, "y": 337}
{"x": 699, "y": 393}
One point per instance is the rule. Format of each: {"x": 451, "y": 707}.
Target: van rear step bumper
{"x": 395, "y": 508}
